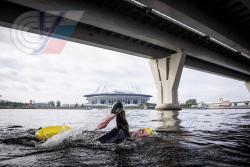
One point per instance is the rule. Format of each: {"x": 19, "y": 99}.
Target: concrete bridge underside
{"x": 146, "y": 31}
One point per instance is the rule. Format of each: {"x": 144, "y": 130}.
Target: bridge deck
{"x": 139, "y": 30}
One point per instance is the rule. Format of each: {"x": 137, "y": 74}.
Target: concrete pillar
{"x": 167, "y": 73}
{"x": 248, "y": 86}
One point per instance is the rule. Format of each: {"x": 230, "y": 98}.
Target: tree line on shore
{"x": 57, "y": 104}
{"x": 50, "y": 104}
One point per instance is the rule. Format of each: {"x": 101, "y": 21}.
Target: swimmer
{"x": 121, "y": 131}
{"x": 145, "y": 132}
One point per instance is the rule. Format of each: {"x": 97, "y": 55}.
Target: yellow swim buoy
{"x": 49, "y": 131}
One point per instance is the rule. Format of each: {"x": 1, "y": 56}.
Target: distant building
{"x": 221, "y": 103}
{"x": 108, "y": 99}
{"x": 199, "y": 105}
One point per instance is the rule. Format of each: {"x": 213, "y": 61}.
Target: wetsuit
{"x": 121, "y": 131}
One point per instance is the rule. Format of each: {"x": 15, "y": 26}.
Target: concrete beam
{"x": 200, "y": 65}
{"x": 82, "y": 34}
{"x": 246, "y": 3}
{"x": 85, "y": 35}
{"x": 184, "y": 12}
{"x": 167, "y": 73}
{"x": 124, "y": 25}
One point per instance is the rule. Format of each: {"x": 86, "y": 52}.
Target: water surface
{"x": 184, "y": 138}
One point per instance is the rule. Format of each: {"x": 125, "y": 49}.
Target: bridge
{"x": 211, "y": 36}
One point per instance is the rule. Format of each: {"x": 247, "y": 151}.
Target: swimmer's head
{"x": 145, "y": 132}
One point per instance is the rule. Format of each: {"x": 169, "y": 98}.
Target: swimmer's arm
{"x": 105, "y": 121}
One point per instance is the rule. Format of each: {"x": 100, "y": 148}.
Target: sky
{"x": 79, "y": 69}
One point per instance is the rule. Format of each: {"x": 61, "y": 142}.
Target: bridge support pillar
{"x": 167, "y": 73}
{"x": 248, "y": 86}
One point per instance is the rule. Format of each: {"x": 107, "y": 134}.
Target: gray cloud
{"x": 5, "y": 36}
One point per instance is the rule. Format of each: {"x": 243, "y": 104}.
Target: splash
{"x": 86, "y": 139}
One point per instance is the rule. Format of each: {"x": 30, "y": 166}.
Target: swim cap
{"x": 149, "y": 131}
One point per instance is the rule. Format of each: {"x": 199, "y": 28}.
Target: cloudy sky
{"x": 79, "y": 69}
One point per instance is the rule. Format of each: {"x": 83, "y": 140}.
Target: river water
{"x": 184, "y": 138}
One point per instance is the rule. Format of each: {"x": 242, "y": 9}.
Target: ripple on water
{"x": 196, "y": 142}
